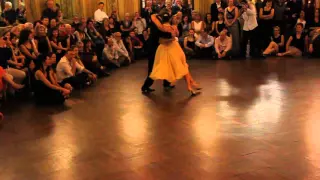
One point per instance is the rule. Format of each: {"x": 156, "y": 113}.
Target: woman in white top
{"x": 197, "y": 25}
{"x": 301, "y": 19}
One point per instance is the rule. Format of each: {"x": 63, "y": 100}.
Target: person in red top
{"x": 137, "y": 46}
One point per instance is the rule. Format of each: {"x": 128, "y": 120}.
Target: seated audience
{"x": 184, "y": 28}
{"x": 144, "y": 41}
{"x": 140, "y": 24}
{"x": 6, "y": 59}
{"x": 56, "y": 45}
{"x": 189, "y": 44}
{"x": 45, "y": 21}
{"x": 296, "y": 44}
{"x": 114, "y": 25}
{"x": 119, "y": 46}
{"x": 89, "y": 59}
{"x": 137, "y": 45}
{"x": 314, "y": 47}
{"x": 70, "y": 71}
{"x": 223, "y": 45}
{"x": 277, "y": 43}
{"x": 105, "y": 30}
{"x": 45, "y": 90}
{"x": 210, "y": 25}
{"x": 126, "y": 25}
{"x": 18, "y": 60}
{"x": 28, "y": 48}
{"x": 41, "y": 40}
{"x": 92, "y": 77}
{"x": 6, "y": 79}
{"x": 114, "y": 55}
{"x": 205, "y": 45}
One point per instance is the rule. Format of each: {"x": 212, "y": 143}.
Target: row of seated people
{"x": 33, "y": 61}
{"x": 297, "y": 45}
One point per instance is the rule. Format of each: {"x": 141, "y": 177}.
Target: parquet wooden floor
{"x": 255, "y": 120}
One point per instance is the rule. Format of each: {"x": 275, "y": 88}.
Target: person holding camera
{"x": 250, "y": 28}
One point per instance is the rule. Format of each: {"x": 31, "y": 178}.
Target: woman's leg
{"x": 18, "y": 75}
{"x": 9, "y": 79}
{"x": 271, "y": 48}
{"x": 292, "y": 51}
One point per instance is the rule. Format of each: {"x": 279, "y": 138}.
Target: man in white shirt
{"x": 99, "y": 14}
{"x": 205, "y": 45}
{"x": 223, "y": 45}
{"x": 119, "y": 46}
{"x": 250, "y": 29}
{"x": 69, "y": 71}
{"x": 111, "y": 54}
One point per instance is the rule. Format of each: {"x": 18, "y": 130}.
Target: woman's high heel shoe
{"x": 194, "y": 93}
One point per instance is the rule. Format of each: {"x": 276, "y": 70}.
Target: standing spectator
{"x": 266, "y": 15}
{"x": 293, "y": 10}
{"x": 56, "y": 44}
{"x": 250, "y": 30}
{"x": 223, "y": 45}
{"x": 147, "y": 11}
{"x": 178, "y": 7}
{"x": 216, "y": 7}
{"x": 197, "y": 25}
{"x": 231, "y": 20}
{"x": 51, "y": 11}
{"x": 296, "y": 44}
{"x": 140, "y": 24}
{"x": 301, "y": 19}
{"x": 220, "y": 25}
{"x": 279, "y": 15}
{"x": 184, "y": 28}
{"x": 210, "y": 25}
{"x": 309, "y": 9}
{"x": 21, "y": 13}
{"x": 126, "y": 25}
{"x": 205, "y": 45}
{"x": 9, "y": 14}
{"x": 99, "y": 14}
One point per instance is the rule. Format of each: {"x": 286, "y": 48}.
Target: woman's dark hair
{"x": 40, "y": 60}
{"x": 85, "y": 42}
{"x": 35, "y": 23}
{"x": 206, "y": 19}
{"x": 24, "y": 36}
{"x": 166, "y": 18}
{"x": 12, "y": 36}
{"x": 51, "y": 32}
{"x": 300, "y": 24}
{"x": 89, "y": 21}
{"x": 220, "y": 13}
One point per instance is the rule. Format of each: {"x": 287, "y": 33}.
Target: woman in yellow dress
{"x": 170, "y": 61}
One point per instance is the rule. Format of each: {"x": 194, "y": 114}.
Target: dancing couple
{"x": 166, "y": 60}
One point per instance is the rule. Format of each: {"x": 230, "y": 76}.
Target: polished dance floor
{"x": 255, "y": 120}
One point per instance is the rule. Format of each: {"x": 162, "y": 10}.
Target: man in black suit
{"x": 217, "y": 7}
{"x": 51, "y": 11}
{"x": 153, "y": 43}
